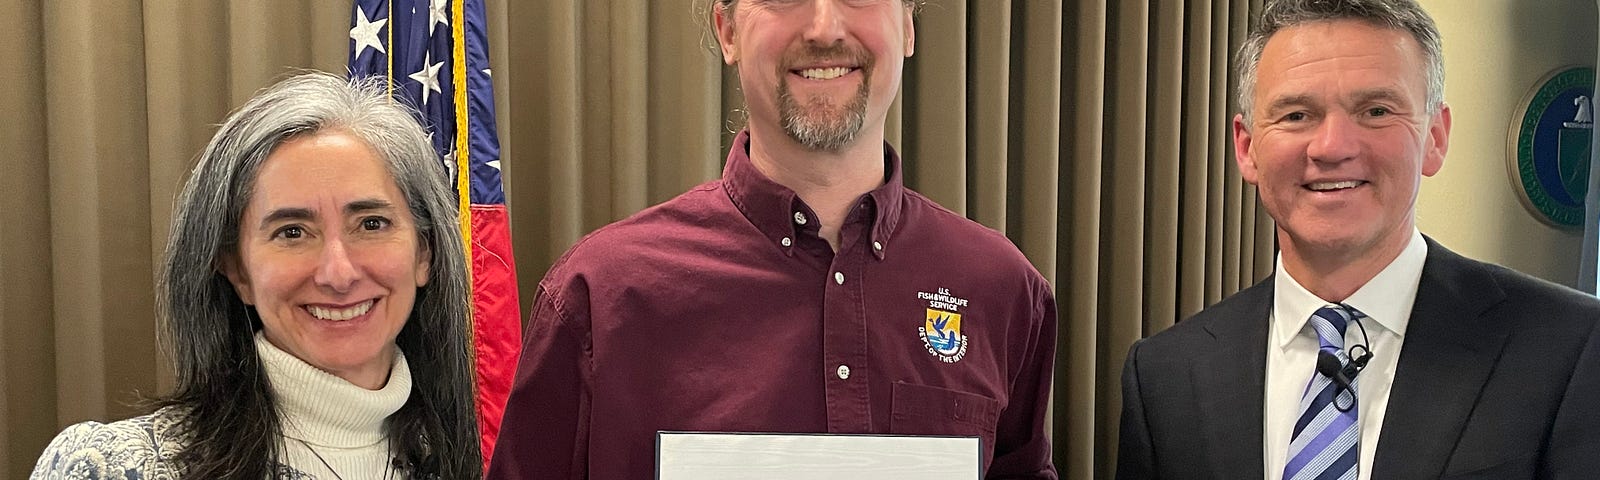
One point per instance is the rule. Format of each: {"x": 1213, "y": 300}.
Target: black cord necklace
{"x": 388, "y": 467}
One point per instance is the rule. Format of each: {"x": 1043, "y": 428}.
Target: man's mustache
{"x": 824, "y": 55}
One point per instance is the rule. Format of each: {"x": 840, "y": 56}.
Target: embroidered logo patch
{"x": 941, "y": 328}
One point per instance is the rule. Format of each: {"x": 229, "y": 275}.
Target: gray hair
{"x": 208, "y": 330}
{"x": 1402, "y": 15}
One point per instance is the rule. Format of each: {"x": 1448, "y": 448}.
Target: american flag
{"x": 435, "y": 55}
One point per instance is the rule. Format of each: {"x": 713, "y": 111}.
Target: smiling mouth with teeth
{"x": 1332, "y": 186}
{"x": 825, "y": 73}
{"x": 339, "y": 314}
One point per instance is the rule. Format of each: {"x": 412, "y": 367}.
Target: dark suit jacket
{"x": 1499, "y": 378}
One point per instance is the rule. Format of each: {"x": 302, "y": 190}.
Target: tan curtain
{"x": 1092, "y": 132}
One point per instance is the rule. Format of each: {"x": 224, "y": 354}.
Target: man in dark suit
{"x": 1372, "y": 351}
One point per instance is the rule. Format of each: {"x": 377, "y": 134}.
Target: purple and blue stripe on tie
{"x": 1325, "y": 444}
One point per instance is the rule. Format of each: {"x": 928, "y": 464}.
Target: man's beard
{"x": 818, "y": 124}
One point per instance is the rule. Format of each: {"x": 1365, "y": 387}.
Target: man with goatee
{"x": 807, "y": 290}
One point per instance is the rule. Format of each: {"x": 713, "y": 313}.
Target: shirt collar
{"x": 1386, "y": 299}
{"x": 772, "y": 208}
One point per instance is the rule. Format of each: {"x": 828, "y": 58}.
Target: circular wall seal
{"x": 1550, "y": 146}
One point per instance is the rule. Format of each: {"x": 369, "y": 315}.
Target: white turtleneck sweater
{"x": 325, "y": 415}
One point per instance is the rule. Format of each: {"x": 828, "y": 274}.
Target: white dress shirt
{"x": 1292, "y": 351}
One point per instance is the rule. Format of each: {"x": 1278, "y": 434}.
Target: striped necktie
{"x": 1325, "y": 444}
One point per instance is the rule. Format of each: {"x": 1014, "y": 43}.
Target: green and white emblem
{"x": 1551, "y": 144}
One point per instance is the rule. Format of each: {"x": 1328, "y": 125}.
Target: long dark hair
{"x": 228, "y": 419}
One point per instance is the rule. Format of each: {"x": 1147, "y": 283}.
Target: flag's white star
{"x": 450, "y": 166}
{"x": 365, "y": 33}
{"x": 437, "y": 14}
{"x": 428, "y": 76}
{"x": 486, "y": 73}
{"x": 495, "y": 164}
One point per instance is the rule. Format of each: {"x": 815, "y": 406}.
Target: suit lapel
{"x": 1230, "y": 383}
{"x": 1449, "y": 350}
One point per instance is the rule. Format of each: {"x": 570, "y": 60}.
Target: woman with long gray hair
{"x": 314, "y": 298}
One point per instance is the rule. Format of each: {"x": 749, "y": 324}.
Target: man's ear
{"x": 911, "y": 30}
{"x": 236, "y": 274}
{"x": 723, "y": 25}
{"x": 1438, "y": 141}
{"x": 1241, "y": 149}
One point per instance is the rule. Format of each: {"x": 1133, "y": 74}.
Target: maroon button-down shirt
{"x": 723, "y": 310}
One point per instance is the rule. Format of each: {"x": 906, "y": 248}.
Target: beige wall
{"x": 1495, "y": 51}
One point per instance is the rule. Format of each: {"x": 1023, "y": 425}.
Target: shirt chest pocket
{"x": 929, "y": 410}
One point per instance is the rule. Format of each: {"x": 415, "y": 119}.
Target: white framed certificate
{"x": 728, "y": 456}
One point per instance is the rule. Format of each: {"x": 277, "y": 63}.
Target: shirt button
{"x": 844, "y": 372}
{"x": 786, "y": 241}
{"x": 877, "y": 245}
{"x": 799, "y": 218}
{"x": 838, "y": 277}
